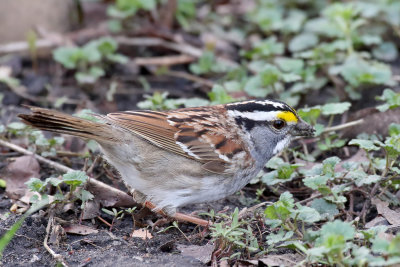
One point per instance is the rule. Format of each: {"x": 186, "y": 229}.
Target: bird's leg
{"x": 179, "y": 216}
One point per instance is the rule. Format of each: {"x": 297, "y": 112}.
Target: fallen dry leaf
{"x": 378, "y": 220}
{"x": 375, "y": 122}
{"x": 142, "y": 233}
{"x": 393, "y": 217}
{"x": 91, "y": 210}
{"x": 201, "y": 253}
{"x": 274, "y": 260}
{"x": 79, "y": 229}
{"x": 17, "y": 173}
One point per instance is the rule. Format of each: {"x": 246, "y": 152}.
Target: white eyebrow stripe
{"x": 255, "y": 115}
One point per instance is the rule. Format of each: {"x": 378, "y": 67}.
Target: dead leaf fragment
{"x": 79, "y": 229}
{"x": 378, "y": 220}
{"x": 142, "y": 233}
{"x": 201, "y": 253}
{"x": 18, "y": 173}
{"x": 281, "y": 260}
{"x": 375, "y": 122}
{"x": 393, "y": 217}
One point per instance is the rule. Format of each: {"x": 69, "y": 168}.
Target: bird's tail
{"x": 55, "y": 121}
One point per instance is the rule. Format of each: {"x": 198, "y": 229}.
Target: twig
{"x": 190, "y": 77}
{"x": 164, "y": 61}
{"x": 343, "y": 126}
{"x": 43, "y": 46}
{"x": 179, "y": 47}
{"x": 310, "y": 198}
{"x": 122, "y": 198}
{"x": 56, "y": 256}
{"x": 244, "y": 212}
{"x": 104, "y": 221}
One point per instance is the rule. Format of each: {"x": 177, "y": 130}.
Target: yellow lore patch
{"x": 287, "y": 116}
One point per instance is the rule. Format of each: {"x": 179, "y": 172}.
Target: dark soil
{"x": 105, "y": 248}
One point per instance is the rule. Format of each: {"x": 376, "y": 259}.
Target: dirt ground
{"x": 105, "y": 248}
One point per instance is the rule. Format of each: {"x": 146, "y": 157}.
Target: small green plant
{"x": 234, "y": 234}
{"x": 122, "y": 10}
{"x": 117, "y": 215}
{"x": 208, "y": 64}
{"x": 89, "y": 61}
{"x": 75, "y": 180}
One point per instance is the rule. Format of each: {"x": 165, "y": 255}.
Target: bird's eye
{"x": 278, "y": 124}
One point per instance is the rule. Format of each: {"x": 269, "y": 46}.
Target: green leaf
{"x": 367, "y": 145}
{"x": 218, "y": 95}
{"x": 329, "y": 165}
{"x": 310, "y": 114}
{"x": 68, "y": 56}
{"x": 118, "y": 58}
{"x": 391, "y": 98}
{"x": 16, "y": 126}
{"x": 35, "y": 184}
{"x": 386, "y": 51}
{"x": 109, "y": 212}
{"x": 335, "y": 108}
{"x": 255, "y": 88}
{"x": 325, "y": 208}
{"x": 105, "y": 45}
{"x": 265, "y": 49}
{"x": 290, "y": 64}
{"x": 84, "y": 195}
{"x": 394, "y": 129}
{"x": 53, "y": 181}
{"x": 315, "y": 182}
{"x": 332, "y": 233}
{"x": 303, "y": 41}
{"x": 307, "y": 214}
{"x": 357, "y": 71}
{"x": 75, "y": 178}
{"x": 3, "y": 183}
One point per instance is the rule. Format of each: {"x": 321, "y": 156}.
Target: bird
{"x": 170, "y": 159}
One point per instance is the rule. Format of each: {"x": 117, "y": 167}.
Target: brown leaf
{"x": 17, "y": 173}
{"x": 281, "y": 260}
{"x": 379, "y": 220}
{"x": 79, "y": 229}
{"x": 201, "y": 253}
{"x": 375, "y": 122}
{"x": 142, "y": 233}
{"x": 91, "y": 210}
{"x": 393, "y": 217}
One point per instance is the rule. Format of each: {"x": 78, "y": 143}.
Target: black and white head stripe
{"x": 259, "y": 105}
{"x": 266, "y": 110}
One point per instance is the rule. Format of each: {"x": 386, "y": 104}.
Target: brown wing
{"x": 195, "y": 133}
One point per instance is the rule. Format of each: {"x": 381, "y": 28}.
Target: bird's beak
{"x": 302, "y": 128}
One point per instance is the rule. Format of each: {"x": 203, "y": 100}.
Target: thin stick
{"x": 123, "y": 199}
{"x": 190, "y": 77}
{"x": 56, "y": 256}
{"x": 179, "y": 47}
{"x": 164, "y": 61}
{"x": 104, "y": 221}
{"x": 343, "y": 126}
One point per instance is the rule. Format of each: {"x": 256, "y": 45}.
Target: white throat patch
{"x": 281, "y": 145}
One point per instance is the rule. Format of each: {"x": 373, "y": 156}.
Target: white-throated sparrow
{"x": 189, "y": 155}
